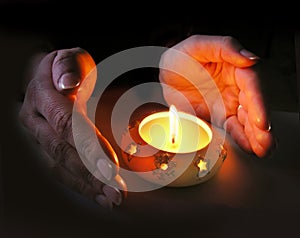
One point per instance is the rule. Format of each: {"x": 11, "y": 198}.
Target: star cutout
{"x": 132, "y": 149}
{"x": 202, "y": 166}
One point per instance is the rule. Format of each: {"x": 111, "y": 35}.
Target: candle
{"x": 172, "y": 131}
{"x": 164, "y": 141}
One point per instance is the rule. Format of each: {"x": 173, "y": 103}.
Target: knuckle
{"x": 62, "y": 121}
{"x": 90, "y": 178}
{"x": 228, "y": 40}
{"x": 193, "y": 37}
{"x": 94, "y": 182}
{"x": 60, "y": 150}
{"x": 87, "y": 148}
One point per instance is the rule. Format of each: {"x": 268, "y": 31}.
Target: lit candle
{"x": 164, "y": 141}
{"x": 175, "y": 132}
{"x": 174, "y": 125}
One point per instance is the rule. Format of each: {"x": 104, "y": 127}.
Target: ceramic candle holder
{"x": 192, "y": 156}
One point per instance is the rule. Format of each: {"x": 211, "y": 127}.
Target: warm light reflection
{"x": 175, "y": 132}
{"x": 164, "y": 166}
{"x": 202, "y": 165}
{"x": 174, "y": 124}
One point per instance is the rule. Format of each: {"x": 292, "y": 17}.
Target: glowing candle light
{"x": 175, "y": 132}
{"x": 174, "y": 124}
{"x": 162, "y": 141}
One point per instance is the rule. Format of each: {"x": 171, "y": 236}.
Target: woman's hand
{"x": 229, "y": 64}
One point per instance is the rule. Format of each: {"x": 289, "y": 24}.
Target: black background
{"x": 32, "y": 204}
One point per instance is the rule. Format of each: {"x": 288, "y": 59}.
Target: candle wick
{"x": 173, "y": 140}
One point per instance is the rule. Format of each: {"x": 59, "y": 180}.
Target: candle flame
{"x": 174, "y": 124}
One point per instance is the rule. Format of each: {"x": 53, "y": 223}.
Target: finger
{"x": 242, "y": 115}
{"x": 68, "y": 166}
{"x": 89, "y": 186}
{"x": 248, "y": 82}
{"x": 55, "y": 107}
{"x": 94, "y": 146}
{"x": 103, "y": 201}
{"x": 113, "y": 194}
{"x": 92, "y": 188}
{"x": 205, "y": 48}
{"x": 72, "y": 71}
{"x": 236, "y": 130}
{"x": 76, "y": 183}
{"x": 58, "y": 149}
{"x": 261, "y": 141}
{"x": 65, "y": 152}
{"x": 265, "y": 140}
{"x": 47, "y": 101}
{"x": 255, "y": 146}
{"x": 70, "y": 67}
{"x": 58, "y": 111}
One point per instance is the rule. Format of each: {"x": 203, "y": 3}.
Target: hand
{"x": 230, "y": 66}
{"x": 46, "y": 112}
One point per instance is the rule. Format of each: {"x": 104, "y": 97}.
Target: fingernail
{"x": 249, "y": 54}
{"x": 69, "y": 81}
{"x": 263, "y": 124}
{"x": 269, "y": 127}
{"x": 105, "y": 168}
{"x": 113, "y": 194}
{"x": 104, "y": 201}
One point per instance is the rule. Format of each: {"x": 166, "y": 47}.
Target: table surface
{"x": 262, "y": 192}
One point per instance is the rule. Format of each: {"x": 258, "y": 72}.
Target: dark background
{"x": 32, "y": 205}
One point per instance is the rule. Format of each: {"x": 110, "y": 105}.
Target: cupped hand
{"x": 230, "y": 66}
{"x": 61, "y": 77}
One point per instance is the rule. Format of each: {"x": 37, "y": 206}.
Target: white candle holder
{"x": 166, "y": 167}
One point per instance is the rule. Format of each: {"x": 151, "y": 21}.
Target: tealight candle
{"x": 164, "y": 141}
{"x": 172, "y": 131}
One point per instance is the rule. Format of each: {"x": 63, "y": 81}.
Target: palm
{"x": 214, "y": 82}
{"x": 223, "y": 75}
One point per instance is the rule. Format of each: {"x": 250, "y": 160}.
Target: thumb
{"x": 207, "y": 48}
{"x": 70, "y": 68}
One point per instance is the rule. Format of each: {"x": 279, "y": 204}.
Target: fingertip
{"x": 262, "y": 122}
{"x": 103, "y": 201}
{"x": 249, "y": 55}
{"x": 105, "y": 168}
{"x": 265, "y": 144}
{"x": 233, "y": 52}
{"x": 113, "y": 194}
{"x": 70, "y": 68}
{"x": 236, "y": 130}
